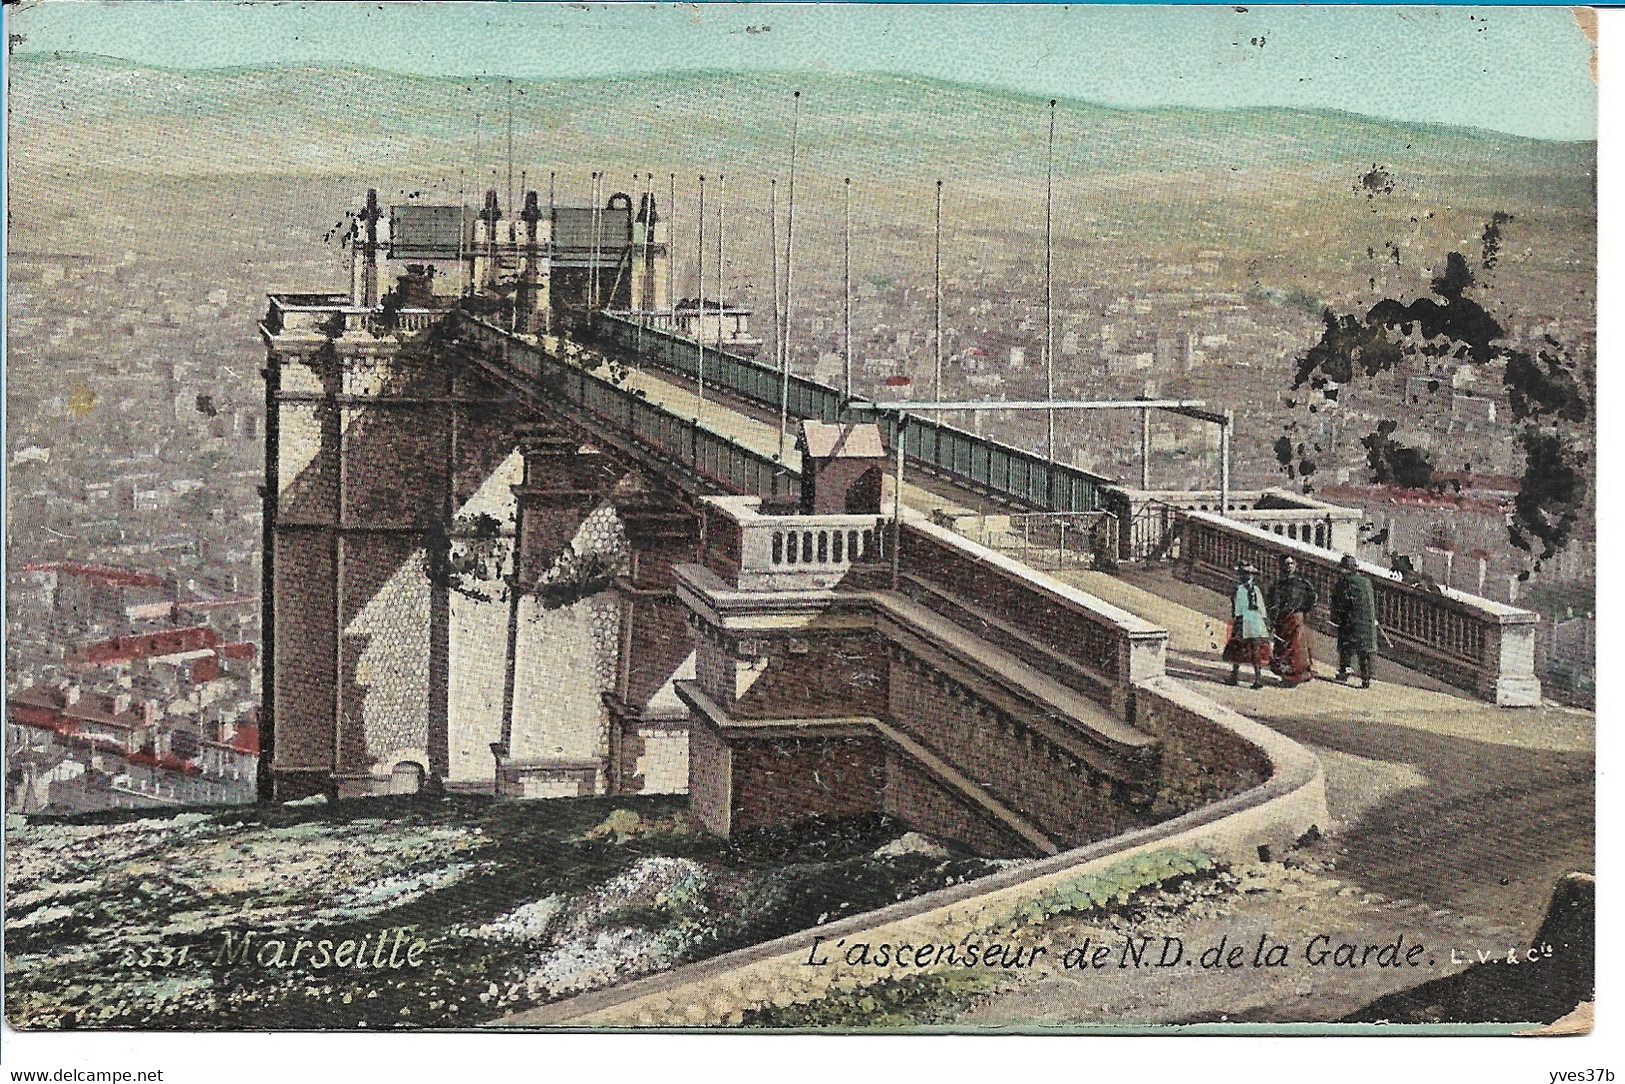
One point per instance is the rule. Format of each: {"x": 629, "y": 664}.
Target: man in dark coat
{"x": 1291, "y": 599}
{"x": 1354, "y": 612}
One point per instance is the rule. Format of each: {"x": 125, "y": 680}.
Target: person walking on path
{"x": 1250, "y": 636}
{"x": 1291, "y": 599}
{"x": 1354, "y": 612}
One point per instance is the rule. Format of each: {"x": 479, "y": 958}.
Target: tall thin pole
{"x": 645, "y": 281}
{"x": 1145, "y": 449}
{"x": 462, "y": 229}
{"x": 846, "y": 277}
{"x": 897, "y": 507}
{"x": 650, "y": 217}
{"x": 597, "y": 231}
{"x": 699, "y": 323}
{"x": 789, "y": 255}
{"x": 778, "y": 339}
{"x": 525, "y": 291}
{"x": 722, "y": 225}
{"x": 1049, "y": 285}
{"x": 492, "y": 272}
{"x": 512, "y": 236}
{"x": 671, "y": 251}
{"x": 1224, "y": 463}
{"x": 473, "y": 248}
{"x": 552, "y": 243}
{"x": 936, "y": 374}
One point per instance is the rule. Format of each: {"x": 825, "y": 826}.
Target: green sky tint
{"x": 1519, "y": 70}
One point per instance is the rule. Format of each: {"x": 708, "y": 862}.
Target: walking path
{"x": 1451, "y": 819}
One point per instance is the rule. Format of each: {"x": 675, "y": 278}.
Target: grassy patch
{"x": 1125, "y": 888}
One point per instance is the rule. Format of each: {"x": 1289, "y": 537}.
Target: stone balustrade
{"x": 1336, "y": 530}
{"x": 1149, "y": 515}
{"x": 325, "y": 315}
{"x": 793, "y": 552}
{"x": 1476, "y": 644}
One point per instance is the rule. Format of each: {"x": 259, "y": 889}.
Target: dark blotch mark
{"x": 1377, "y": 181}
{"x": 1395, "y": 463}
{"x": 1492, "y": 238}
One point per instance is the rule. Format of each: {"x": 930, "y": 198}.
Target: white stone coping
{"x": 745, "y": 511}
{"x": 1300, "y": 502}
{"x": 1096, "y": 610}
{"x": 867, "y": 726}
{"x": 744, "y": 610}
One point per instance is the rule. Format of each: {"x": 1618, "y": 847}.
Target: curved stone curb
{"x": 713, "y": 992}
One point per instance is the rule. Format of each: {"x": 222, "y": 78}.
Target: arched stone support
{"x": 648, "y": 724}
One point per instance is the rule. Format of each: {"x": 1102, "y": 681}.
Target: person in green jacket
{"x": 1354, "y": 612}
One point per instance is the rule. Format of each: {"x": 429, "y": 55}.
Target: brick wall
{"x": 779, "y": 781}
{"x": 818, "y": 675}
{"x": 709, "y": 787}
{"x": 660, "y": 640}
{"x": 1018, "y": 767}
{"x": 305, "y": 655}
{"x": 1044, "y": 617}
{"x": 916, "y": 798}
{"x": 714, "y": 665}
{"x": 722, "y": 547}
{"x": 1201, "y": 761}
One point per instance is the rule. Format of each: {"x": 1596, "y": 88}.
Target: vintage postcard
{"x": 800, "y": 517}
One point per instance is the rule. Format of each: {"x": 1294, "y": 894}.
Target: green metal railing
{"x": 708, "y": 456}
{"x": 1025, "y": 478}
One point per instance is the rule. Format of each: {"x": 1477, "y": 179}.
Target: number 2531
{"x": 157, "y": 956}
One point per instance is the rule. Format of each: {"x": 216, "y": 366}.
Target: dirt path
{"x": 1450, "y": 822}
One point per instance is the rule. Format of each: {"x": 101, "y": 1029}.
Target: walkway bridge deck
{"x": 636, "y": 387}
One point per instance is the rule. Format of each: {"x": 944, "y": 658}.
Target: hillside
{"x": 316, "y": 120}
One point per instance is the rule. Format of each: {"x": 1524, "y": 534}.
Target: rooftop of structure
{"x": 830, "y": 440}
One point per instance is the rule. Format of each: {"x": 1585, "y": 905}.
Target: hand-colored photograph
{"x": 836, "y": 518}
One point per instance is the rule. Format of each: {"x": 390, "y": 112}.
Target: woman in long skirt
{"x": 1292, "y": 599}
{"x": 1250, "y": 635}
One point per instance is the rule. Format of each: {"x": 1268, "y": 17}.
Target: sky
{"x": 1519, "y": 70}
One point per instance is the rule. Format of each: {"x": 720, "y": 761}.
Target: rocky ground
{"x": 461, "y": 910}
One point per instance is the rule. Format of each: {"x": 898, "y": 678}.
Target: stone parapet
{"x": 1476, "y": 644}
{"x": 1148, "y": 517}
{"x": 1118, "y": 647}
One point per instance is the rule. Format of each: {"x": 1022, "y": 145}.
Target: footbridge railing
{"x": 712, "y": 459}
{"x": 979, "y": 462}
{"x": 1476, "y": 644}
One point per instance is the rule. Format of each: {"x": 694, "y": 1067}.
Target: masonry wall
{"x": 777, "y": 781}
{"x": 654, "y": 759}
{"x": 915, "y": 797}
{"x": 721, "y": 547}
{"x": 488, "y": 468}
{"x": 710, "y": 778}
{"x": 1019, "y": 767}
{"x": 565, "y": 661}
{"x": 1045, "y": 618}
{"x": 1201, "y": 761}
{"x": 817, "y": 674}
{"x": 305, "y": 673}
{"x": 386, "y": 696}
{"x": 658, "y": 642}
